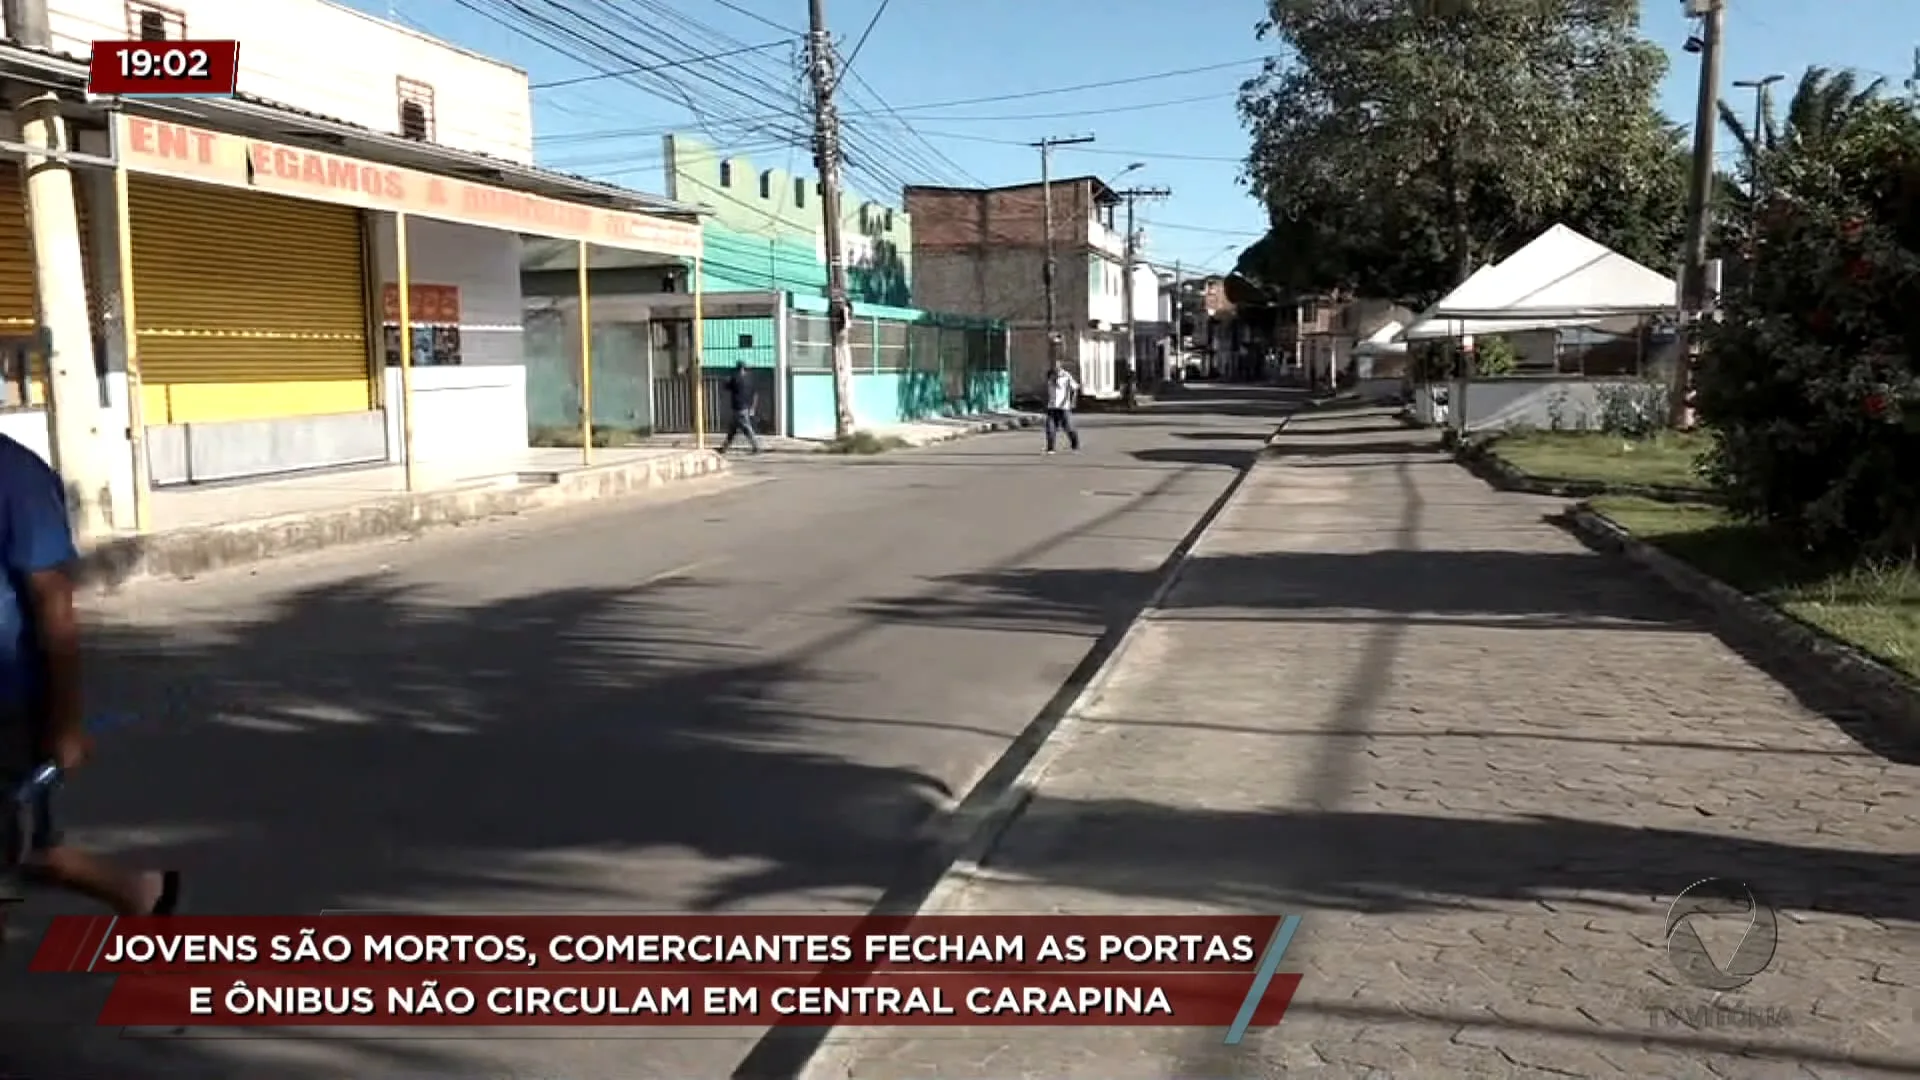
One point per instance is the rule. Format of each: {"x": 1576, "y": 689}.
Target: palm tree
{"x": 1823, "y": 104}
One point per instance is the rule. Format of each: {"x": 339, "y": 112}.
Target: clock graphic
{"x": 164, "y": 69}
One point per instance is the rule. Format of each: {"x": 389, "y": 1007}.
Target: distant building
{"x": 982, "y": 252}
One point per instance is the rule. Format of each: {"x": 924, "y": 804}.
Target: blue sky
{"x": 1181, "y": 128}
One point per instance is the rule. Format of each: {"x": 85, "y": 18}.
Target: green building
{"x": 764, "y": 282}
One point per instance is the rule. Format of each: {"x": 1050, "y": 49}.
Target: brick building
{"x": 981, "y": 252}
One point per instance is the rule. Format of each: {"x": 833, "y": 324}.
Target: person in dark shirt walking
{"x": 41, "y": 718}
{"x": 743, "y": 398}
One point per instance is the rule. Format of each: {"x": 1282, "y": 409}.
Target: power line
{"x": 757, "y": 17}
{"x": 689, "y": 61}
{"x": 1131, "y": 81}
{"x": 847, "y": 64}
{"x": 1047, "y": 92}
{"x": 1109, "y": 151}
{"x": 1106, "y": 111}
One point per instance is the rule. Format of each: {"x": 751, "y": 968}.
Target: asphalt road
{"x": 761, "y": 696}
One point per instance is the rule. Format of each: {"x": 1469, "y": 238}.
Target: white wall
{"x": 482, "y": 263}
{"x": 1105, "y": 240}
{"x": 1107, "y": 303}
{"x": 337, "y": 62}
{"x": 1095, "y": 355}
{"x": 1146, "y": 293}
{"x": 477, "y": 411}
{"x": 470, "y": 416}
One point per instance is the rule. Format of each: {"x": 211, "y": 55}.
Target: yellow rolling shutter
{"x": 251, "y": 307}
{"x": 19, "y": 308}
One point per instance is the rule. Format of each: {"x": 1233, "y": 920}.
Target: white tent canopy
{"x": 1382, "y": 342}
{"x": 1431, "y": 325}
{"x": 1561, "y": 279}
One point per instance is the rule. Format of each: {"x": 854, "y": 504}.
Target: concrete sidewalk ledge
{"x": 1888, "y": 696}
{"x": 186, "y": 552}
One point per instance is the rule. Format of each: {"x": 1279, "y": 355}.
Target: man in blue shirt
{"x": 41, "y": 717}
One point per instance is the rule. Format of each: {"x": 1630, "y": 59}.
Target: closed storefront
{"x": 250, "y": 306}
{"x": 18, "y": 315}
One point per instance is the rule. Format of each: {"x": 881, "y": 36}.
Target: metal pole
{"x": 404, "y": 289}
{"x": 1126, "y": 291}
{"x": 1131, "y": 257}
{"x": 699, "y": 356}
{"x": 781, "y": 384}
{"x": 1693, "y": 279}
{"x": 586, "y": 359}
{"x": 1050, "y": 269}
{"x": 826, "y": 143}
{"x": 130, "y": 348}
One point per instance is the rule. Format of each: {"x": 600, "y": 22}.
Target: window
{"x": 726, "y": 174}
{"x": 886, "y": 222}
{"x": 766, "y": 184}
{"x": 746, "y": 341}
{"x": 799, "y": 193}
{"x": 151, "y": 22}
{"x": 416, "y": 110}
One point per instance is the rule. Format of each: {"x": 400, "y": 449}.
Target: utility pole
{"x": 1762, "y": 89}
{"x": 1177, "y": 310}
{"x": 1131, "y": 250}
{"x": 1051, "y": 269}
{"x": 66, "y": 331}
{"x": 826, "y": 148}
{"x": 1693, "y": 280}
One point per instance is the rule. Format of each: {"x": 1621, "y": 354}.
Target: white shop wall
{"x": 475, "y": 411}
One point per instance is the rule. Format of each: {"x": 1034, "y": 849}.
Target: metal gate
{"x": 673, "y": 402}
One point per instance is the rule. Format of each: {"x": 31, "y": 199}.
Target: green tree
{"x": 1429, "y": 127}
{"x": 1809, "y": 383}
{"x": 1822, "y": 106}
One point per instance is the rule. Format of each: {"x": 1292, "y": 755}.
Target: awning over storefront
{"x": 182, "y": 152}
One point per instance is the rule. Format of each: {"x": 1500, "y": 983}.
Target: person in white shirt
{"x": 1063, "y": 392}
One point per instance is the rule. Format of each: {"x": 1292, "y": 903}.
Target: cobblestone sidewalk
{"x": 1481, "y": 761}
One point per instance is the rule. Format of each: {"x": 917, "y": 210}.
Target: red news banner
{"x": 678, "y": 971}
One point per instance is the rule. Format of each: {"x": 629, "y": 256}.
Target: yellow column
{"x": 130, "y": 346}
{"x": 405, "y": 289}
{"x": 586, "y": 363}
{"x": 699, "y": 359}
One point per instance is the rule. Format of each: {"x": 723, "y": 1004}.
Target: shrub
{"x": 1808, "y": 380}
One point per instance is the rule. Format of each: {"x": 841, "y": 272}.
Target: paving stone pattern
{"x": 1480, "y": 760}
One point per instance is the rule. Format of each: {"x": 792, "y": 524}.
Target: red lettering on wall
{"x": 343, "y": 175}
{"x": 286, "y": 164}
{"x": 173, "y": 142}
{"x": 140, "y": 134}
{"x": 203, "y": 146}
{"x": 314, "y": 171}
{"x": 436, "y": 192}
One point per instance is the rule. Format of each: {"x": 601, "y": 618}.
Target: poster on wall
{"x": 434, "y": 311}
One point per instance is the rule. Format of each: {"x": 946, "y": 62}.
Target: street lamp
{"x": 1760, "y": 93}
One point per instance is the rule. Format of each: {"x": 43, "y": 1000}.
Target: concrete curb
{"x": 183, "y": 553}
{"x": 1485, "y": 462}
{"x": 836, "y": 1058}
{"x": 1890, "y": 696}
{"x": 997, "y": 422}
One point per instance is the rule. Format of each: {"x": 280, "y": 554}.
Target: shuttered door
{"x": 251, "y": 307}
{"x": 19, "y": 312}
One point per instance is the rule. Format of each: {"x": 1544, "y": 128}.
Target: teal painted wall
{"x": 721, "y": 345}
{"x": 764, "y": 230}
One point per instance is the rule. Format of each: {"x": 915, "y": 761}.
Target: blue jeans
{"x": 1059, "y": 420}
